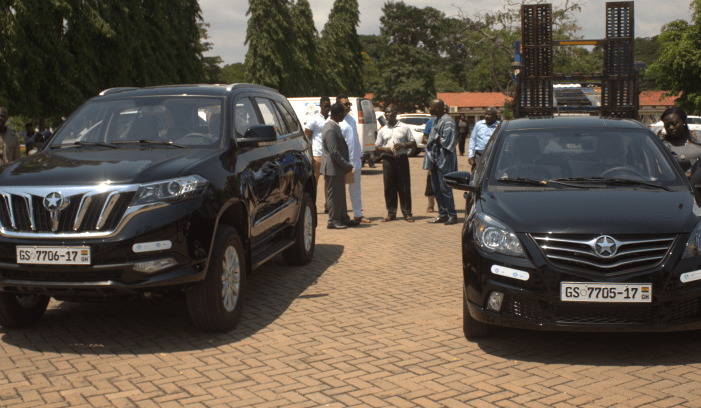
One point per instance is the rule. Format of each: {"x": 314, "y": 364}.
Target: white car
{"x": 694, "y": 123}
{"x": 417, "y": 123}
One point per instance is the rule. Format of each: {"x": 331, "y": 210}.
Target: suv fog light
{"x": 496, "y": 299}
{"x": 154, "y": 266}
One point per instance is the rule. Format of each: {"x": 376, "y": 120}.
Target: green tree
{"x": 678, "y": 68}
{"x": 647, "y": 50}
{"x": 310, "y": 73}
{"x": 342, "y": 51}
{"x": 233, "y": 73}
{"x": 408, "y": 50}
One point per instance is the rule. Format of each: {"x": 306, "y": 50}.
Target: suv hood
{"x": 605, "y": 211}
{"x": 95, "y": 166}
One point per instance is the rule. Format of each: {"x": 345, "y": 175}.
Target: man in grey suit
{"x": 335, "y": 163}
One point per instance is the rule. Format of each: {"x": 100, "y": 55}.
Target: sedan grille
{"x": 603, "y": 253}
{"x": 87, "y": 211}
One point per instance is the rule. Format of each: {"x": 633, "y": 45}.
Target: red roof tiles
{"x": 474, "y": 99}
{"x": 654, "y": 98}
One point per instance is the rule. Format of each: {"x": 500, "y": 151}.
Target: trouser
{"x": 397, "y": 183}
{"x": 354, "y": 192}
{"x": 317, "y": 174}
{"x": 443, "y": 194}
{"x": 336, "y": 199}
{"x": 478, "y": 157}
{"x": 461, "y": 142}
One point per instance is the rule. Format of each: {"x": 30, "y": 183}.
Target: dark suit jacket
{"x": 335, "y": 159}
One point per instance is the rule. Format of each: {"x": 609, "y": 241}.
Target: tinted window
{"x": 244, "y": 116}
{"x": 417, "y": 121}
{"x": 267, "y": 110}
{"x": 368, "y": 110}
{"x": 288, "y": 118}
{"x": 557, "y": 153}
{"x": 191, "y": 121}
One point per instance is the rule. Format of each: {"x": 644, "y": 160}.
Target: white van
{"x": 362, "y": 111}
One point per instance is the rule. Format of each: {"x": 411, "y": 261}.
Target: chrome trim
{"x": 590, "y": 242}
{"x": 276, "y": 212}
{"x": 107, "y": 209}
{"x": 8, "y": 202}
{"x": 630, "y": 251}
{"x": 30, "y": 209}
{"x": 84, "y": 204}
{"x": 630, "y": 261}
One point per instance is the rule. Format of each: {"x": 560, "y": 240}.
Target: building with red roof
{"x": 652, "y": 104}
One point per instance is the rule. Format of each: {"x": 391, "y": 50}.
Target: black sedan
{"x": 579, "y": 224}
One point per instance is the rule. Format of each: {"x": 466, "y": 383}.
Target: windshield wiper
{"x": 81, "y": 144}
{"x": 520, "y": 180}
{"x": 154, "y": 142}
{"x": 610, "y": 181}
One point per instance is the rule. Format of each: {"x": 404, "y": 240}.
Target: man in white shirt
{"x": 350, "y": 133}
{"x": 313, "y": 132}
{"x": 394, "y": 140}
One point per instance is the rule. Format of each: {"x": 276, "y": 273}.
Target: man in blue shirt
{"x": 429, "y": 191}
{"x": 440, "y": 158}
{"x": 480, "y": 135}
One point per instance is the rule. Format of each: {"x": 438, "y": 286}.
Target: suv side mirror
{"x": 459, "y": 180}
{"x": 258, "y": 135}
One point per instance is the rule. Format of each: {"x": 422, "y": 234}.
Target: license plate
{"x": 53, "y": 255}
{"x": 606, "y": 292}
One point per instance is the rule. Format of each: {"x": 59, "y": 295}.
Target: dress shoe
{"x": 351, "y": 223}
{"x": 451, "y": 221}
{"x": 389, "y": 218}
{"x": 334, "y": 225}
{"x": 439, "y": 220}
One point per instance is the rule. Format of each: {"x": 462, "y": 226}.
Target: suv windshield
{"x": 583, "y": 155}
{"x": 186, "y": 121}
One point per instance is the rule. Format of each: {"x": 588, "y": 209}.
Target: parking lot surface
{"x": 375, "y": 320}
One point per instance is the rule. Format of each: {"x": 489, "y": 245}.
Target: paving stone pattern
{"x": 375, "y": 320}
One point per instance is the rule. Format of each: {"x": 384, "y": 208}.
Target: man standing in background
{"x": 350, "y": 133}
{"x": 8, "y": 138}
{"x": 440, "y": 159}
{"x": 480, "y": 136}
{"x": 313, "y": 132}
{"x": 29, "y": 138}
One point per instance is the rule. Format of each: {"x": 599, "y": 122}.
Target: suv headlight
{"x": 491, "y": 235}
{"x": 693, "y": 245}
{"x": 170, "y": 191}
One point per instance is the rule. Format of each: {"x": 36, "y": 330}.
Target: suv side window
{"x": 288, "y": 118}
{"x": 267, "y": 110}
{"x": 244, "y": 116}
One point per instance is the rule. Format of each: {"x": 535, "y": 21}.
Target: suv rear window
{"x": 189, "y": 121}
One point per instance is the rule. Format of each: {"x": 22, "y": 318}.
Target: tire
{"x": 215, "y": 304}
{"x": 21, "y": 310}
{"x": 472, "y": 328}
{"x": 413, "y": 152}
{"x": 302, "y": 252}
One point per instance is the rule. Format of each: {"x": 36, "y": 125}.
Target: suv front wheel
{"x": 21, "y": 310}
{"x": 215, "y": 303}
{"x": 302, "y": 252}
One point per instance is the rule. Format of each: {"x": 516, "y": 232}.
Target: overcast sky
{"x": 229, "y": 21}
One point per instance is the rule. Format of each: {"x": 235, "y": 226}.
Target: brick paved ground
{"x": 374, "y": 321}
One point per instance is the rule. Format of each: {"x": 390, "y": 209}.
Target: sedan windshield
{"x": 180, "y": 120}
{"x": 576, "y": 156}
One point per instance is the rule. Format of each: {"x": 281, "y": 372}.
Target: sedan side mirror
{"x": 459, "y": 180}
{"x": 258, "y": 135}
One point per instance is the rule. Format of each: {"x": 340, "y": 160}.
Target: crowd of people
{"x": 337, "y": 156}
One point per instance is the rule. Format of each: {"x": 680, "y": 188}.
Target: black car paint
{"x": 258, "y": 190}
{"x": 596, "y": 211}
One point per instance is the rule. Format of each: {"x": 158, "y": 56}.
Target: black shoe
{"x": 334, "y": 225}
{"x": 371, "y": 164}
{"x": 451, "y": 221}
{"x": 439, "y": 220}
{"x": 351, "y": 223}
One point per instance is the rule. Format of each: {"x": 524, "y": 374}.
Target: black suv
{"x": 144, "y": 191}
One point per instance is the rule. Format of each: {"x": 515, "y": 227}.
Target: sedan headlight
{"x": 491, "y": 235}
{"x": 170, "y": 191}
{"x": 693, "y": 245}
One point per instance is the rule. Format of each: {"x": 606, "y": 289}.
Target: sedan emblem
{"x": 53, "y": 201}
{"x": 605, "y": 246}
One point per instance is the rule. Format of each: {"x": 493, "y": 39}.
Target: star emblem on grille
{"x": 53, "y": 201}
{"x": 605, "y": 246}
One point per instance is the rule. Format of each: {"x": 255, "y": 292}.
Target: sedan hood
{"x": 95, "y": 166}
{"x": 605, "y": 211}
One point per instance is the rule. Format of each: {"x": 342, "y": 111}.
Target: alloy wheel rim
{"x": 308, "y": 229}
{"x": 230, "y": 278}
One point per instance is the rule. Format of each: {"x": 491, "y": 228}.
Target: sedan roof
{"x": 572, "y": 122}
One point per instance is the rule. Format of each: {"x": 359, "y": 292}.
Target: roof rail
{"x": 237, "y": 86}
{"x": 114, "y": 90}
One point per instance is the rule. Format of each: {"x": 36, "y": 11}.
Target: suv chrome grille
{"x": 626, "y": 252}
{"x": 84, "y": 209}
